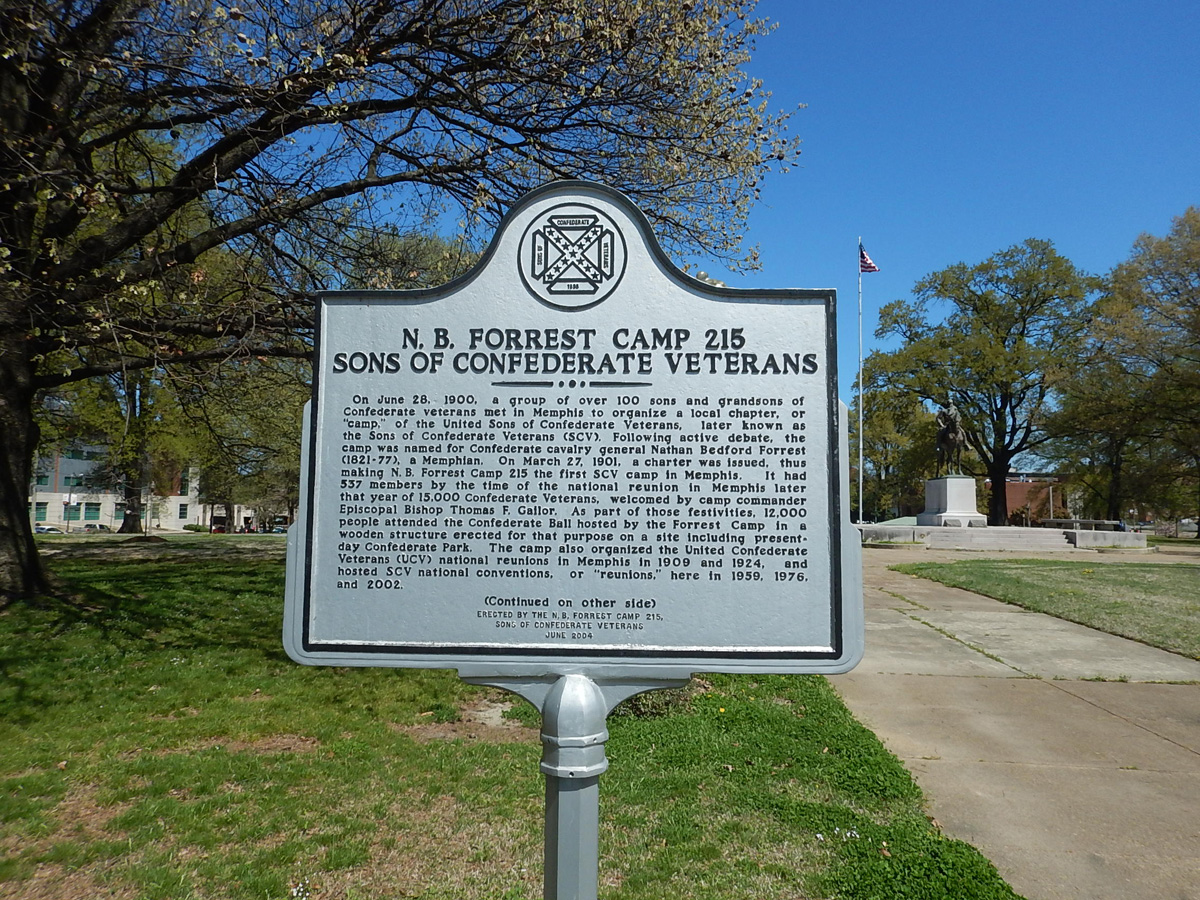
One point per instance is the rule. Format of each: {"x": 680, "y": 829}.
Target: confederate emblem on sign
{"x": 572, "y": 256}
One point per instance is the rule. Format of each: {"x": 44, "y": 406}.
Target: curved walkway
{"x": 1055, "y": 749}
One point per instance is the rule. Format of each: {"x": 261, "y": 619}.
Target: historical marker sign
{"x": 575, "y": 458}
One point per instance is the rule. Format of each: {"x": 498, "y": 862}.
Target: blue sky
{"x": 943, "y": 132}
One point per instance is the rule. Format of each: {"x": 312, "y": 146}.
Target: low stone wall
{"x": 895, "y": 534}
{"x": 1090, "y": 540}
{"x": 1080, "y": 539}
{"x": 1081, "y": 524}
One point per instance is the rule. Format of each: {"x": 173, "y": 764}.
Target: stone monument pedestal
{"x": 950, "y": 501}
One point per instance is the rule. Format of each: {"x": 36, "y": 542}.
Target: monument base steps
{"x": 1027, "y": 539}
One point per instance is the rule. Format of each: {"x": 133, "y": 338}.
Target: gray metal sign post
{"x": 575, "y": 474}
{"x": 574, "y": 713}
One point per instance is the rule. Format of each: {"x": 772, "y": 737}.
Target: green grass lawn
{"x": 1183, "y": 542}
{"x": 155, "y": 742}
{"x": 1155, "y": 603}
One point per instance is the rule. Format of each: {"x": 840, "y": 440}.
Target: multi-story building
{"x": 66, "y": 495}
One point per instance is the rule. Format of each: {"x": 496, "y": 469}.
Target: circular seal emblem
{"x": 572, "y": 256}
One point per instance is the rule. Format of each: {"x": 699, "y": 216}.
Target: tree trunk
{"x": 132, "y": 523}
{"x": 21, "y": 572}
{"x": 998, "y": 495}
{"x": 1115, "y": 487}
{"x": 1196, "y": 460}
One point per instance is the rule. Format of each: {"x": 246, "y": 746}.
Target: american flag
{"x": 864, "y": 261}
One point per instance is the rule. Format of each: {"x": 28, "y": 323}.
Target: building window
{"x": 42, "y": 480}
{"x": 183, "y": 510}
{"x": 183, "y": 486}
{"x": 72, "y": 481}
{"x": 71, "y": 512}
{"x": 119, "y": 512}
{"x": 40, "y": 511}
{"x": 91, "y": 512}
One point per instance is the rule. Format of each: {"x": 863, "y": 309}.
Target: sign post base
{"x": 574, "y": 715}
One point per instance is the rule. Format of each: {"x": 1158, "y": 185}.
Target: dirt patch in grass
{"x": 79, "y": 818}
{"x": 54, "y": 882}
{"x": 78, "y": 812}
{"x": 187, "y": 712}
{"x": 275, "y": 743}
{"x": 480, "y": 720}
{"x": 440, "y": 848}
{"x": 254, "y": 697}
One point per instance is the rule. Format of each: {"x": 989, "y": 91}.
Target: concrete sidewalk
{"x": 1076, "y": 789}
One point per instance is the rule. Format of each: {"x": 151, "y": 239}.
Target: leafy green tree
{"x": 899, "y": 452}
{"x": 142, "y": 138}
{"x": 245, "y": 414}
{"x": 245, "y": 419}
{"x": 994, "y": 337}
{"x": 1098, "y": 433}
{"x": 1148, "y": 323}
{"x": 136, "y": 420}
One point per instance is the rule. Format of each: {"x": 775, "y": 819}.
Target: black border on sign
{"x": 462, "y": 654}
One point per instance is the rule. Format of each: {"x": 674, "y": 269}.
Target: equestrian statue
{"x": 950, "y": 439}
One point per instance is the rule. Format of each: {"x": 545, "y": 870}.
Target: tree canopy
{"x": 1129, "y": 421}
{"x": 899, "y": 453}
{"x": 148, "y": 145}
{"x": 994, "y": 338}
{"x": 1150, "y": 320}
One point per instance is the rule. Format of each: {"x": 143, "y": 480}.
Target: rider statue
{"x": 950, "y": 438}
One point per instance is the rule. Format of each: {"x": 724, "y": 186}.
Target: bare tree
{"x": 147, "y": 145}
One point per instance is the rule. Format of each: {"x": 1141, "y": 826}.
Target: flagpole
{"x": 860, "y": 386}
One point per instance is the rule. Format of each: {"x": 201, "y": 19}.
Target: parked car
{"x": 95, "y": 527}
{"x": 46, "y": 529}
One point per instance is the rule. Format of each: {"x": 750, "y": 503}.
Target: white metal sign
{"x": 576, "y": 457}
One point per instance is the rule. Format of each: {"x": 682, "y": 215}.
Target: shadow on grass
{"x": 180, "y": 602}
{"x": 120, "y": 609}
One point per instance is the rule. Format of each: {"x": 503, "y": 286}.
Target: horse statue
{"x": 950, "y": 439}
